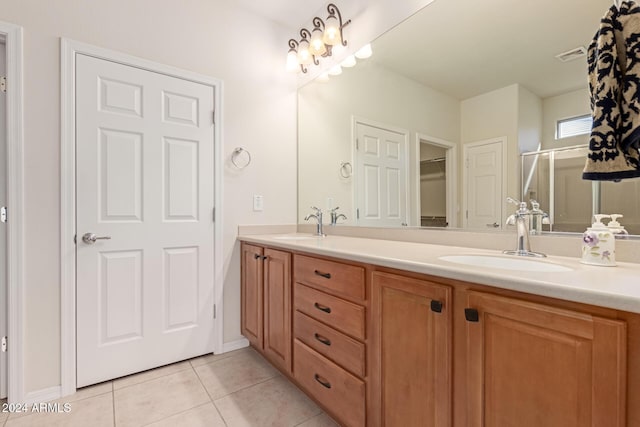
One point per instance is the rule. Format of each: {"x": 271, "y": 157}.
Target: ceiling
{"x": 465, "y": 48}
{"x": 288, "y": 13}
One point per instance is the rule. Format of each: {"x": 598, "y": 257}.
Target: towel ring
{"x": 236, "y": 154}
{"x": 346, "y": 170}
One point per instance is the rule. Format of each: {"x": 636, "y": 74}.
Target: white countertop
{"x": 613, "y": 287}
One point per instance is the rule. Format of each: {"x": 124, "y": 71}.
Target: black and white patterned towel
{"x": 614, "y": 83}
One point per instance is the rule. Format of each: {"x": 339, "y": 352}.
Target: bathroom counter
{"x": 613, "y": 287}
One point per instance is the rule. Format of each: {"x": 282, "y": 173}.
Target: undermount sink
{"x": 295, "y": 237}
{"x": 506, "y": 263}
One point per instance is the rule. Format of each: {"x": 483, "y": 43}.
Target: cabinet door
{"x": 532, "y": 365}
{"x": 277, "y": 308}
{"x": 411, "y": 351}
{"x": 251, "y": 288}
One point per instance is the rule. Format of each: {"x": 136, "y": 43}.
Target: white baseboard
{"x": 235, "y": 345}
{"x": 44, "y": 395}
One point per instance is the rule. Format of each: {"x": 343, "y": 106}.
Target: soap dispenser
{"x": 599, "y": 244}
{"x": 615, "y": 227}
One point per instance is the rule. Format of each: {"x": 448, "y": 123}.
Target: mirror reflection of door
{"x": 380, "y": 176}
{"x": 484, "y": 189}
{"x": 433, "y": 185}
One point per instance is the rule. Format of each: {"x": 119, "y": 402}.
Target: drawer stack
{"x": 329, "y": 334}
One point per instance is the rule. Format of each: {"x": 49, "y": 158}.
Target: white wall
{"x": 563, "y": 106}
{"x": 325, "y": 128}
{"x": 529, "y": 121}
{"x": 491, "y": 115}
{"x": 212, "y": 37}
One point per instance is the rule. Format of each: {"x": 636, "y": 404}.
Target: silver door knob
{"x": 494, "y": 225}
{"x": 90, "y": 238}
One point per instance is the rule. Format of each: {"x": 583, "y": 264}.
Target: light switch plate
{"x": 258, "y": 203}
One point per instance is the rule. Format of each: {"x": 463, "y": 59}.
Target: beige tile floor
{"x": 236, "y": 389}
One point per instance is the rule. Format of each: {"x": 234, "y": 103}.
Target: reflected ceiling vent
{"x": 572, "y": 54}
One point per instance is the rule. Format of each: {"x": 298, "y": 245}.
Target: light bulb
{"x": 336, "y": 70}
{"x": 332, "y": 34}
{"x": 364, "y": 52}
{"x": 292, "y": 62}
{"x": 304, "y": 56}
{"x": 316, "y": 45}
{"x": 349, "y": 61}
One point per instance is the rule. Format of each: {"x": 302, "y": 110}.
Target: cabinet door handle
{"x": 265, "y": 257}
{"x": 325, "y": 275}
{"x": 322, "y": 307}
{"x": 323, "y": 340}
{"x": 257, "y": 256}
{"x": 471, "y": 314}
{"x": 322, "y": 381}
{"x": 436, "y": 306}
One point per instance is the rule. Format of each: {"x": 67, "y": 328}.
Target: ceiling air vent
{"x": 572, "y": 54}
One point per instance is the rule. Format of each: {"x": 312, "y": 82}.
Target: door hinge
{"x": 3, "y": 84}
{"x": 214, "y": 311}
{"x": 358, "y": 213}
{"x": 214, "y": 214}
{"x": 357, "y": 143}
{"x": 466, "y": 214}
{"x": 4, "y": 344}
{"x": 466, "y": 162}
{"x": 3, "y": 214}
{"x": 213, "y": 113}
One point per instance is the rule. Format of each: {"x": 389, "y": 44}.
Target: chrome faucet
{"x": 521, "y": 220}
{"x": 335, "y": 216}
{"x": 318, "y": 217}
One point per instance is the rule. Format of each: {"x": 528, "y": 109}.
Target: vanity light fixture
{"x": 317, "y": 42}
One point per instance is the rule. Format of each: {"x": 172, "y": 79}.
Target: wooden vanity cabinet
{"x": 411, "y": 352}
{"x": 531, "y": 365}
{"x": 266, "y": 302}
{"x": 382, "y": 347}
{"x": 329, "y": 346}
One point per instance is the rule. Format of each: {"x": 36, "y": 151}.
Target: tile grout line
{"x": 150, "y": 379}
{"x": 173, "y": 415}
{"x": 210, "y": 398}
{"x": 113, "y": 404}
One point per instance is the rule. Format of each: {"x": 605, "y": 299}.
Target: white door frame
{"x": 68, "y": 51}
{"x": 451, "y": 173}
{"x": 15, "y": 199}
{"x": 354, "y": 155}
{"x": 465, "y": 152}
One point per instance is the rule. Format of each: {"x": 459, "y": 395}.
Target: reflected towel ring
{"x": 346, "y": 170}
{"x": 236, "y": 154}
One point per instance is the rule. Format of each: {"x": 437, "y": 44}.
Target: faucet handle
{"x": 318, "y": 210}
{"x": 514, "y": 201}
{"x": 334, "y": 210}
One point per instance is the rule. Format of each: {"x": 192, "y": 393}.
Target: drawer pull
{"x": 471, "y": 314}
{"x": 322, "y": 381}
{"x": 322, "y": 308}
{"x": 325, "y": 275}
{"x": 323, "y": 340}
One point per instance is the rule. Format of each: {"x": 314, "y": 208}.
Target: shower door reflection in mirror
{"x": 554, "y": 179}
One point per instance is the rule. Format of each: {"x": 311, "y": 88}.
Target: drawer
{"x": 340, "y": 392}
{"x": 345, "y": 351}
{"x": 343, "y": 279}
{"x": 340, "y": 314}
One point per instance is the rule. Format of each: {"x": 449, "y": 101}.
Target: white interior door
{"x": 381, "y": 176}
{"x": 485, "y": 193}
{"x": 3, "y": 226}
{"x": 145, "y": 170}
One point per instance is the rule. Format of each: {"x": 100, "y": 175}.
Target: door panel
{"x": 484, "y": 186}
{"x": 381, "y": 180}
{"x": 277, "y": 308}
{"x": 144, "y": 179}
{"x": 252, "y": 294}
{"x": 517, "y": 350}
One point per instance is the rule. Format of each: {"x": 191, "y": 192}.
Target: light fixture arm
{"x": 306, "y": 36}
{"x": 335, "y": 12}
{"x": 293, "y": 46}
